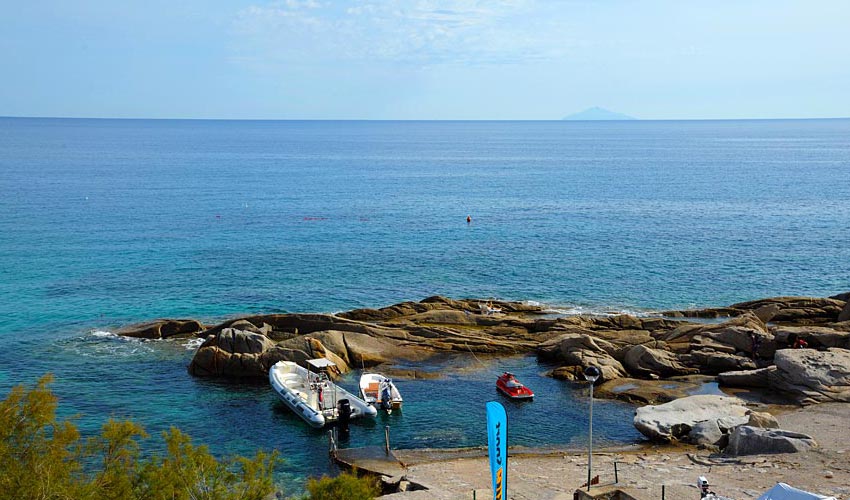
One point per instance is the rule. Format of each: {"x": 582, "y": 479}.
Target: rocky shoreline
{"x": 794, "y": 349}
{"x": 750, "y": 348}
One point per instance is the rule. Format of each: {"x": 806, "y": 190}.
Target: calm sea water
{"x": 107, "y": 222}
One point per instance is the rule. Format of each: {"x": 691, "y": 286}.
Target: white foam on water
{"x": 193, "y": 344}
{"x": 105, "y": 344}
{"x": 578, "y": 310}
{"x": 102, "y": 333}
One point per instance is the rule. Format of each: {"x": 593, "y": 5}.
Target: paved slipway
{"x": 643, "y": 470}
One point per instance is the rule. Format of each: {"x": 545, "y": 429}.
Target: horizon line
{"x": 413, "y": 119}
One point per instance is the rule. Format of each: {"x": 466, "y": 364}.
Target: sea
{"x": 105, "y": 223}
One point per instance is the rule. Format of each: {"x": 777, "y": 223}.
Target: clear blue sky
{"x": 424, "y": 59}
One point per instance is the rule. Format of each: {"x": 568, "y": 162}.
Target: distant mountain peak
{"x": 597, "y": 113}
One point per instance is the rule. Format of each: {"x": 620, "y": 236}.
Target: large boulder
{"x": 744, "y": 333}
{"x": 700, "y": 343}
{"x": 748, "y": 440}
{"x": 811, "y": 376}
{"x": 767, "y": 312}
{"x": 280, "y": 353}
{"x": 240, "y": 341}
{"x": 625, "y": 339}
{"x": 241, "y": 324}
{"x": 644, "y": 361}
{"x": 707, "y": 433}
{"x": 365, "y": 351}
{"x": 232, "y": 353}
{"x": 321, "y": 345}
{"x": 329, "y": 345}
{"x": 715, "y": 433}
{"x": 711, "y": 362}
{"x": 575, "y": 352}
{"x": 162, "y": 329}
{"x": 674, "y": 420}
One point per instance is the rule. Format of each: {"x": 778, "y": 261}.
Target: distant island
{"x": 597, "y": 113}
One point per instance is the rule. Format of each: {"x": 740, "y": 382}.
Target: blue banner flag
{"x": 497, "y": 443}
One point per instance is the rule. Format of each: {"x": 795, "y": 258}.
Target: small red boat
{"x": 513, "y": 388}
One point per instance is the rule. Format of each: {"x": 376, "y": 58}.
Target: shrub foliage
{"x": 43, "y": 458}
{"x": 345, "y": 486}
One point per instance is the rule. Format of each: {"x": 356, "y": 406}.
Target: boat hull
{"x": 292, "y": 399}
{"x": 508, "y": 385}
{"x": 515, "y": 395}
{"x": 314, "y": 400}
{"x": 380, "y": 392}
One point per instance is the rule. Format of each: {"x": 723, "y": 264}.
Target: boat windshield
{"x": 320, "y": 363}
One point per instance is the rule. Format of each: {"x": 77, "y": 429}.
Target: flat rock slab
{"x": 674, "y": 420}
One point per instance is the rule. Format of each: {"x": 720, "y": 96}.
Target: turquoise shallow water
{"x": 106, "y": 222}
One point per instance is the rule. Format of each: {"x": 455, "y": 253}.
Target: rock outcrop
{"x": 712, "y": 362}
{"x": 709, "y": 421}
{"x": 709, "y": 434}
{"x": 162, "y": 329}
{"x": 812, "y": 376}
{"x": 233, "y": 353}
{"x": 743, "y": 351}
{"x": 806, "y": 376}
{"x": 242, "y": 353}
{"x": 787, "y": 310}
{"x": 647, "y": 362}
{"x": 748, "y": 440}
{"x": 575, "y": 352}
{"x": 817, "y": 337}
{"x": 738, "y": 336}
{"x": 674, "y": 420}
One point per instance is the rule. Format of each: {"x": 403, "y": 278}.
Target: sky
{"x": 424, "y": 59}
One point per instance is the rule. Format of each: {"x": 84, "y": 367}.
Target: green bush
{"x": 42, "y": 458}
{"x": 346, "y": 486}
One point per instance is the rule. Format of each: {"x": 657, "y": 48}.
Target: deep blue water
{"x": 107, "y": 222}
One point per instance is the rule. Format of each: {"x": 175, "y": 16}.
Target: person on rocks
{"x": 796, "y": 342}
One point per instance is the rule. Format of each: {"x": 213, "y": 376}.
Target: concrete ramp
{"x": 372, "y": 459}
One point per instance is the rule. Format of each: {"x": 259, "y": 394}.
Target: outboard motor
{"x": 343, "y": 408}
{"x": 386, "y": 398}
